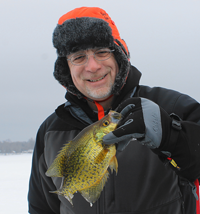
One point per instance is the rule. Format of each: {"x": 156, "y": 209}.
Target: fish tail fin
{"x": 56, "y": 168}
{"x": 92, "y": 193}
{"x": 114, "y": 164}
{"x": 54, "y": 171}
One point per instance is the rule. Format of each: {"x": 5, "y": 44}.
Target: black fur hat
{"x": 83, "y": 28}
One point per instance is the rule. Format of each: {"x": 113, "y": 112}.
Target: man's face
{"x": 95, "y": 78}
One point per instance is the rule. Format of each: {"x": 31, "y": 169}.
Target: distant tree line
{"x": 17, "y": 147}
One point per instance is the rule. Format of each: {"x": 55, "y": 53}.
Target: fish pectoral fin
{"x": 92, "y": 193}
{"x": 101, "y": 156}
{"x": 56, "y": 168}
{"x": 114, "y": 164}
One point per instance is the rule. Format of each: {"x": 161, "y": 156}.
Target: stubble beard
{"x": 100, "y": 93}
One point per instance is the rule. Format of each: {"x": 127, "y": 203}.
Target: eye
{"x": 102, "y": 53}
{"x": 105, "y": 123}
{"x": 78, "y": 58}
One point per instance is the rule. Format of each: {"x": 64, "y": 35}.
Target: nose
{"x": 92, "y": 64}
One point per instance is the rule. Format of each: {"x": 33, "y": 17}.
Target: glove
{"x": 144, "y": 121}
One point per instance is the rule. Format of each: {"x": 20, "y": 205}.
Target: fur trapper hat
{"x": 84, "y": 28}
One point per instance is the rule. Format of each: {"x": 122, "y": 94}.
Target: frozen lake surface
{"x": 14, "y": 179}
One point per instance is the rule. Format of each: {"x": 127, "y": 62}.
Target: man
{"x": 158, "y": 141}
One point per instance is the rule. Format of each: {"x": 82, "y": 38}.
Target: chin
{"x": 99, "y": 96}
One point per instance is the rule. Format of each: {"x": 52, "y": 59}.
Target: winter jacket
{"x": 146, "y": 182}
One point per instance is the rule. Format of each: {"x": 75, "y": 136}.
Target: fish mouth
{"x": 97, "y": 79}
{"x": 116, "y": 117}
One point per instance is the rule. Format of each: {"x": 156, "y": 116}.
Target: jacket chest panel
{"x": 143, "y": 188}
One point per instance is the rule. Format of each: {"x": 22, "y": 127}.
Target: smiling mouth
{"x": 97, "y": 79}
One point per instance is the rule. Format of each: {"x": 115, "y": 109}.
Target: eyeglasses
{"x": 81, "y": 58}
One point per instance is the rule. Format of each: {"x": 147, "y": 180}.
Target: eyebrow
{"x": 83, "y": 51}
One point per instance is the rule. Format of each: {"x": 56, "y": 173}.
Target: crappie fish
{"x": 83, "y": 162}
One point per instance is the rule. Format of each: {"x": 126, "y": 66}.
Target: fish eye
{"x": 105, "y": 123}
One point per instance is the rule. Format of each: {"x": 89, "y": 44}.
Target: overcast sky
{"x": 162, "y": 37}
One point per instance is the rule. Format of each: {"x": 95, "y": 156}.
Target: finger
{"x": 135, "y": 101}
{"x": 110, "y": 138}
{"x": 127, "y": 109}
{"x": 129, "y": 127}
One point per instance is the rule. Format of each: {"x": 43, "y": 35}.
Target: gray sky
{"x": 162, "y": 37}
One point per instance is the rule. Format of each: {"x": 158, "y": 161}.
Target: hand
{"x": 143, "y": 120}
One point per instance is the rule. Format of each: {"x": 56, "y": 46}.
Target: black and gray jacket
{"x": 146, "y": 183}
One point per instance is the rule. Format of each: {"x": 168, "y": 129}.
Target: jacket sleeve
{"x": 39, "y": 199}
{"x": 184, "y": 140}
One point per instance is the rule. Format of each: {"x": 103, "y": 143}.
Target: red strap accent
{"x": 101, "y": 113}
{"x": 100, "y": 108}
{"x": 197, "y": 202}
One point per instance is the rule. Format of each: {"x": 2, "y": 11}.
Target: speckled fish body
{"x": 83, "y": 162}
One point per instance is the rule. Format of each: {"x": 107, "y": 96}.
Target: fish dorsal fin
{"x": 113, "y": 164}
{"x": 92, "y": 193}
{"x": 56, "y": 168}
{"x": 80, "y": 140}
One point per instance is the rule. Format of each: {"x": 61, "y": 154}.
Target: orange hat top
{"x": 93, "y": 12}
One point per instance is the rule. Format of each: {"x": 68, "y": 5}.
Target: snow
{"x": 14, "y": 180}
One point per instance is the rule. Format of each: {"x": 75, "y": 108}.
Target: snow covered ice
{"x": 14, "y": 181}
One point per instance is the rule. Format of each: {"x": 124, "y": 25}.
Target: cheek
{"x": 115, "y": 67}
{"x": 76, "y": 80}
{"x": 75, "y": 74}
{"x": 115, "y": 71}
